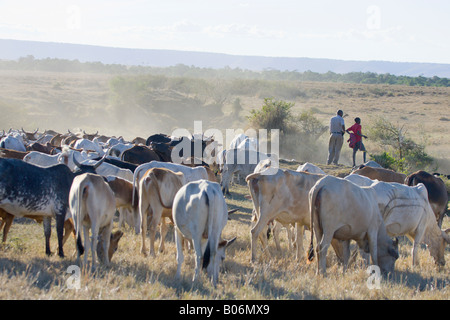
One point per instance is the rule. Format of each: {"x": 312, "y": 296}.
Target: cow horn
{"x": 36, "y": 131}
{"x": 99, "y": 162}
{"x": 75, "y": 161}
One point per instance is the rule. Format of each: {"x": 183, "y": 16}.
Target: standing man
{"x": 337, "y": 130}
{"x": 356, "y": 130}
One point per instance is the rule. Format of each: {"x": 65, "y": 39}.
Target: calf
{"x": 200, "y": 214}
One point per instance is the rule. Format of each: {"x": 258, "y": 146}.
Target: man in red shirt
{"x": 356, "y": 130}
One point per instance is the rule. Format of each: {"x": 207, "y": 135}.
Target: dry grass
{"x": 61, "y": 101}
{"x": 26, "y": 273}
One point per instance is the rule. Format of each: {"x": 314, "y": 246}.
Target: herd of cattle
{"x": 81, "y": 180}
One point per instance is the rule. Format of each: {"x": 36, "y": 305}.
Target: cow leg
{"x": 156, "y": 219}
{"x": 322, "y": 254}
{"x": 416, "y": 242}
{"x": 163, "y": 231}
{"x": 68, "y": 229}
{"x": 60, "y": 233}
{"x": 276, "y": 234}
{"x": 94, "y": 242}
{"x": 299, "y": 241}
{"x": 373, "y": 238}
{"x": 7, "y": 222}
{"x": 180, "y": 257}
{"x": 106, "y": 241}
{"x": 198, "y": 257}
{"x": 345, "y": 254}
{"x": 47, "y": 223}
{"x": 256, "y": 230}
{"x": 143, "y": 214}
{"x": 87, "y": 244}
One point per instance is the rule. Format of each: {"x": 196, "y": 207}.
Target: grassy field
{"x": 62, "y": 101}
{"x": 27, "y": 273}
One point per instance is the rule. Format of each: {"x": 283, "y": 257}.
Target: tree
{"x": 408, "y": 154}
{"x": 274, "y": 114}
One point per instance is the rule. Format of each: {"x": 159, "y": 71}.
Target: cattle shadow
{"x": 40, "y": 272}
{"x": 416, "y": 281}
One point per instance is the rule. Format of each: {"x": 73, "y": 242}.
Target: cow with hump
{"x": 29, "y": 190}
{"x": 343, "y": 211}
{"x": 200, "y": 214}
{"x": 407, "y": 211}
{"x": 281, "y": 195}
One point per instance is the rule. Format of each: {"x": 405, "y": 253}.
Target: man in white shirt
{"x": 337, "y": 129}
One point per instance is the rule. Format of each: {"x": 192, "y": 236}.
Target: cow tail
{"x": 135, "y": 175}
{"x": 314, "y": 206}
{"x": 211, "y": 245}
{"x": 81, "y": 195}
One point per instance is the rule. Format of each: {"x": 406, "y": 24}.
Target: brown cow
{"x": 123, "y": 191}
{"x": 437, "y": 192}
{"x": 380, "y": 174}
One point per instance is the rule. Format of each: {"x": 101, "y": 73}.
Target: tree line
{"x": 180, "y": 70}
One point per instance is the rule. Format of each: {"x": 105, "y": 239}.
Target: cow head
{"x": 387, "y": 255}
{"x": 212, "y": 269}
{"x": 113, "y": 245}
{"x": 437, "y": 247}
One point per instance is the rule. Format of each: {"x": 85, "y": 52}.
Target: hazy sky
{"x": 394, "y": 30}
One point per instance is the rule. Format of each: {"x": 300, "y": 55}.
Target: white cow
{"x": 243, "y": 162}
{"x": 12, "y": 143}
{"x": 88, "y": 145}
{"x": 311, "y": 168}
{"x": 41, "y": 159}
{"x": 357, "y": 218}
{"x": 92, "y": 204}
{"x": 283, "y": 197}
{"x": 108, "y": 169}
{"x": 237, "y": 140}
{"x": 200, "y": 214}
{"x": 249, "y": 144}
{"x": 406, "y": 211}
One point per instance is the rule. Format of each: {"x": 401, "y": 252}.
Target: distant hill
{"x": 14, "y": 49}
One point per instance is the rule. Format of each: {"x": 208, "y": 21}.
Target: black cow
{"x": 26, "y": 189}
{"x": 437, "y": 192}
{"x": 159, "y": 138}
{"x": 142, "y": 154}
